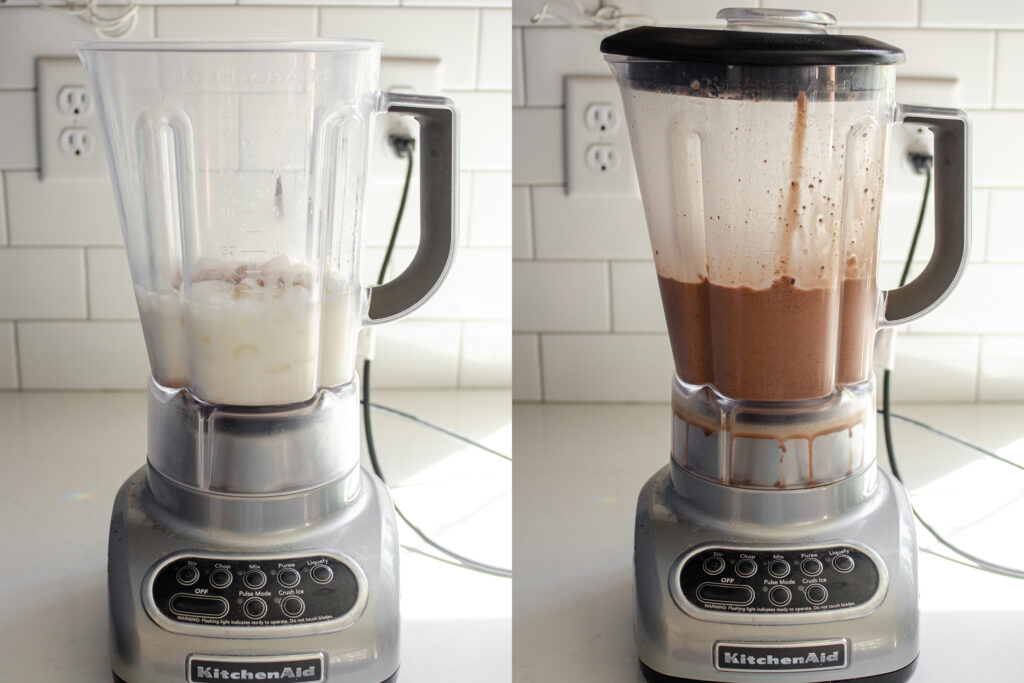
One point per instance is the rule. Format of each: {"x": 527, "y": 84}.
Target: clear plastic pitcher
{"x": 761, "y": 167}
{"x": 761, "y": 156}
{"x": 239, "y": 170}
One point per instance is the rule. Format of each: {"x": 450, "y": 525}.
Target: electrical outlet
{"x": 421, "y": 76}
{"x": 70, "y": 145}
{"x": 600, "y": 160}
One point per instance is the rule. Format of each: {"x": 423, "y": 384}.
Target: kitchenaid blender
{"x": 772, "y": 548}
{"x": 252, "y": 545}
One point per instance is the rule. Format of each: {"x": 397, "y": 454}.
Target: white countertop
{"x": 64, "y": 455}
{"x": 579, "y": 469}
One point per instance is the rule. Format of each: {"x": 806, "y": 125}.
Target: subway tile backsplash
{"x": 67, "y": 313}
{"x": 969, "y": 349}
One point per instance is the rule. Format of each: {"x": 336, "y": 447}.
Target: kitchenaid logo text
{"x": 787, "y": 657}
{"x": 304, "y": 670}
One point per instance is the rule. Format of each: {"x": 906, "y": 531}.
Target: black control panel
{"x": 764, "y": 581}
{"x": 255, "y": 592}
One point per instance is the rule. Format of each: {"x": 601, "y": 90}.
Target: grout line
{"x": 85, "y": 287}
{"x": 977, "y": 371}
{"x": 459, "y": 353}
{"x": 540, "y": 369}
{"x": 995, "y": 66}
{"x": 920, "y": 11}
{"x": 531, "y": 223}
{"x": 6, "y": 217}
{"x": 17, "y": 358}
{"x": 316, "y": 20}
{"x": 479, "y": 52}
{"x": 611, "y": 300}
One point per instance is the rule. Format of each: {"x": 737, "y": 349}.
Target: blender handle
{"x": 439, "y": 169}
{"x": 952, "y": 167}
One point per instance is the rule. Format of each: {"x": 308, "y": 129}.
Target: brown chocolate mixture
{"x": 774, "y": 344}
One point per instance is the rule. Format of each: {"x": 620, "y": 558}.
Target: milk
{"x": 251, "y": 334}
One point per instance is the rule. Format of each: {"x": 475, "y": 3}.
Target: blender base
{"x": 390, "y": 679}
{"x": 163, "y": 583}
{"x": 721, "y": 592}
{"x": 900, "y": 676}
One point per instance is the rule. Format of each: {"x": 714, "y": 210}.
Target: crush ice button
{"x": 816, "y": 594}
{"x": 293, "y": 606}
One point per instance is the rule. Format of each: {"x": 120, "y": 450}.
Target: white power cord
{"x": 113, "y": 25}
{"x": 602, "y": 20}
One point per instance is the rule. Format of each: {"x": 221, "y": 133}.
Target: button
{"x": 289, "y": 578}
{"x": 779, "y": 569}
{"x": 211, "y": 606}
{"x": 255, "y": 608}
{"x": 843, "y": 563}
{"x": 746, "y": 568}
{"x": 188, "y": 575}
{"x": 725, "y": 594}
{"x": 220, "y": 578}
{"x": 293, "y": 606}
{"x": 322, "y": 573}
{"x": 714, "y": 565}
{"x": 254, "y": 579}
{"x": 780, "y": 596}
{"x": 816, "y": 594}
{"x": 811, "y": 566}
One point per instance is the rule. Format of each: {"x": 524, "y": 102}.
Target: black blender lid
{"x": 725, "y": 46}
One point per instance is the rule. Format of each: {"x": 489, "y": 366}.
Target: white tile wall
{"x": 862, "y": 13}
{"x": 526, "y": 367}
{"x": 82, "y": 355}
{"x": 495, "y": 50}
{"x": 42, "y": 283}
{"x": 110, "y": 285}
{"x": 18, "y": 132}
{"x": 65, "y": 291}
{"x": 8, "y": 357}
{"x": 1006, "y": 239}
{"x": 964, "y": 351}
{"x": 560, "y": 296}
{"x": 60, "y": 213}
{"x": 486, "y": 354}
{"x": 979, "y": 13}
{"x": 28, "y": 32}
{"x": 1002, "y": 369}
{"x": 522, "y": 228}
{"x": 606, "y": 367}
{"x": 235, "y": 22}
{"x": 415, "y": 33}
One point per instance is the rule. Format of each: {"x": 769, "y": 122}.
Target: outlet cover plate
{"x": 583, "y": 179}
{"x": 53, "y": 74}
{"x": 420, "y": 76}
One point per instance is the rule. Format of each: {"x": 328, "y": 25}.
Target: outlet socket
{"x": 70, "y": 142}
{"x": 599, "y": 158}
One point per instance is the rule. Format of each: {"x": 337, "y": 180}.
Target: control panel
{"x": 254, "y": 593}
{"x": 765, "y": 581}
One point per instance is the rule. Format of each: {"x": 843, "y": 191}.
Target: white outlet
{"x": 420, "y": 76}
{"x": 68, "y": 125}
{"x": 599, "y": 159}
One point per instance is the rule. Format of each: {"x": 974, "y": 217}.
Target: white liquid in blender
{"x": 251, "y": 334}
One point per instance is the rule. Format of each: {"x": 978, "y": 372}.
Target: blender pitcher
{"x": 761, "y": 154}
{"x": 239, "y": 170}
{"x": 252, "y": 540}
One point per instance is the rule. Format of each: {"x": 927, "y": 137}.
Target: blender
{"x": 771, "y": 547}
{"x": 252, "y": 545}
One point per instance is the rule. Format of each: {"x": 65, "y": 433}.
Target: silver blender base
{"x": 165, "y": 621}
{"x": 701, "y": 615}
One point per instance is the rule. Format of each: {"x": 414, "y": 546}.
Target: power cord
{"x": 403, "y": 146}
{"x": 114, "y": 22}
{"x": 923, "y": 164}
